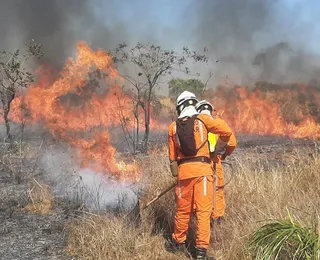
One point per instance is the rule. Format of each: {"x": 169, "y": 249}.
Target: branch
{"x": 12, "y": 55}
{"x": 206, "y": 83}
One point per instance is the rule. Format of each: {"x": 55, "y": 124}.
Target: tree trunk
{"x": 146, "y": 132}
{"x": 147, "y": 123}
{"x": 6, "y": 97}
{"x": 6, "y": 111}
{"x": 136, "y": 138}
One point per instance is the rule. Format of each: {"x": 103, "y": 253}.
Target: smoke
{"x": 84, "y": 186}
{"x": 255, "y": 39}
{"x": 244, "y": 35}
{"x": 58, "y": 25}
{"x": 281, "y": 63}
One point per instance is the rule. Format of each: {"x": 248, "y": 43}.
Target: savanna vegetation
{"x": 272, "y": 200}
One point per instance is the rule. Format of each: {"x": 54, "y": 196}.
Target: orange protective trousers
{"x": 194, "y": 193}
{"x": 219, "y": 204}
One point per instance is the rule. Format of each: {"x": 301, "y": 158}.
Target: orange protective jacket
{"x": 196, "y": 169}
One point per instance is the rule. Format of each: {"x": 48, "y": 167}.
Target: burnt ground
{"x": 27, "y": 235}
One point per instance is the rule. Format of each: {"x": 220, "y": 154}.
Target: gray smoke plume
{"x": 57, "y": 25}
{"x": 254, "y": 40}
{"x": 84, "y": 186}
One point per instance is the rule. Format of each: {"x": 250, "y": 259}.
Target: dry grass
{"x": 262, "y": 190}
{"x": 41, "y": 199}
{"x": 109, "y": 237}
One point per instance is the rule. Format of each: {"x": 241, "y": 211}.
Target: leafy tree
{"x": 176, "y": 86}
{"x": 148, "y": 65}
{"x": 14, "y": 75}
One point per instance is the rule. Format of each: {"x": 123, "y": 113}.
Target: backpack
{"x": 185, "y": 134}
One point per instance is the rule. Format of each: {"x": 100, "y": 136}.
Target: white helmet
{"x": 204, "y": 105}
{"x": 186, "y": 99}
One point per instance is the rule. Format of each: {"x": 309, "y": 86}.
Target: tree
{"x": 176, "y": 86}
{"x": 14, "y": 75}
{"x": 149, "y": 64}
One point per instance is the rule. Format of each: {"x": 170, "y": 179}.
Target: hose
{"x": 232, "y": 174}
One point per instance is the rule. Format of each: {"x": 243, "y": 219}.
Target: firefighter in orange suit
{"x": 190, "y": 152}
{"x": 217, "y": 154}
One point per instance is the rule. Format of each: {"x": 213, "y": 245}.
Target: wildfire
{"x": 75, "y": 108}
{"x": 72, "y": 110}
{"x": 283, "y": 112}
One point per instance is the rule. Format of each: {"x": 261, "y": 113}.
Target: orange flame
{"x": 276, "y": 112}
{"x": 71, "y": 110}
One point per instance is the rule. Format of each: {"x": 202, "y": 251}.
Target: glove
{"x": 174, "y": 168}
{"x": 229, "y": 150}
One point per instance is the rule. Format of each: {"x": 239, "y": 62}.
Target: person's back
{"x": 193, "y": 166}
{"x": 195, "y": 176}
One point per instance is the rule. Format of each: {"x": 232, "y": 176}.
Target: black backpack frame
{"x": 185, "y": 134}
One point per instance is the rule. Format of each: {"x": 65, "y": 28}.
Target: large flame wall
{"x": 71, "y": 108}
{"x": 267, "y": 109}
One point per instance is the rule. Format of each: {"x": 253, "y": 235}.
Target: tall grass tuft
{"x": 285, "y": 239}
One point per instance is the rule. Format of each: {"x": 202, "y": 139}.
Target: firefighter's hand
{"x": 174, "y": 168}
{"x": 215, "y": 157}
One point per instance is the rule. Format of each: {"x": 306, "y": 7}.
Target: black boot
{"x": 201, "y": 254}
{"x": 173, "y": 247}
{"x": 217, "y": 221}
{"x": 220, "y": 220}
{"x": 211, "y": 222}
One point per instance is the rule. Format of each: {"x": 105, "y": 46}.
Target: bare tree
{"x": 14, "y": 75}
{"x": 150, "y": 64}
